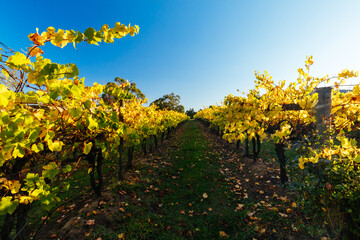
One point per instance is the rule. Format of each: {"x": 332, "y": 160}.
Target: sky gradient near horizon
{"x": 202, "y": 50}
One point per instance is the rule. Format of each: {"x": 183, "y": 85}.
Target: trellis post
{"x": 323, "y": 111}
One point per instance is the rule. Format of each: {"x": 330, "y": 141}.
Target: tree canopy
{"x": 169, "y": 102}
{"x": 121, "y": 89}
{"x": 191, "y": 112}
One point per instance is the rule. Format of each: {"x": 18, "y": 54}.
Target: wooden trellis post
{"x": 323, "y": 111}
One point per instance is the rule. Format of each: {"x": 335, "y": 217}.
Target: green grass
{"x": 178, "y": 193}
{"x": 175, "y": 207}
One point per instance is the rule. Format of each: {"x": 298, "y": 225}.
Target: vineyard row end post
{"x": 323, "y": 112}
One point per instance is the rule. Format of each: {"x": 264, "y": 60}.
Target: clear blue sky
{"x": 200, "y": 49}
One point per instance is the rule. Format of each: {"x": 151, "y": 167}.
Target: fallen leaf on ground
{"x": 90, "y": 222}
{"x": 239, "y": 207}
{"x": 223, "y": 234}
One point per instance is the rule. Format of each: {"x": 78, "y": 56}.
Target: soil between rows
{"x": 196, "y": 186}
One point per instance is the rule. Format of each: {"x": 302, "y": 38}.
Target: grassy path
{"x": 194, "y": 188}
{"x": 187, "y": 199}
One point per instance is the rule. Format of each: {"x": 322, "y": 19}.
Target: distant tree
{"x": 191, "y": 112}
{"x": 128, "y": 91}
{"x": 180, "y": 108}
{"x": 169, "y": 102}
{"x": 131, "y": 88}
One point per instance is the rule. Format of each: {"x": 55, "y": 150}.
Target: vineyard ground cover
{"x": 270, "y": 206}
{"x": 80, "y": 194}
{"x": 196, "y": 186}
